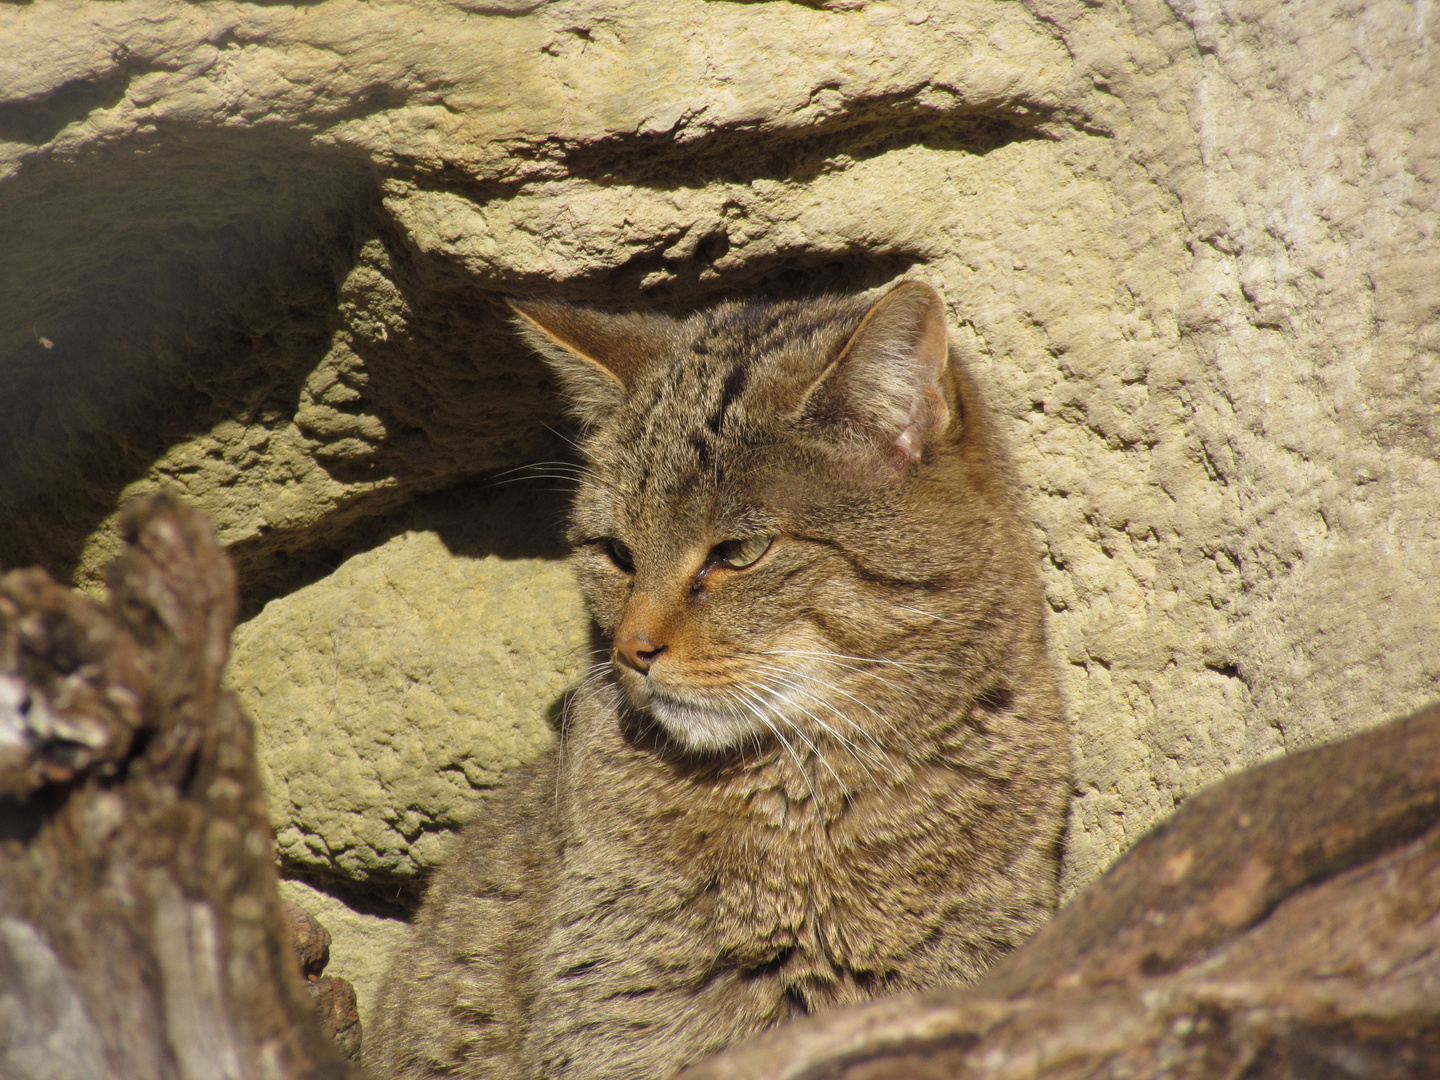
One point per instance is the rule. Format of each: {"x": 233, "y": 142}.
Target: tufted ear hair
{"x": 597, "y": 355}
{"x": 889, "y": 388}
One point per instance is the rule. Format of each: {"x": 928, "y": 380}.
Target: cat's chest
{"x": 749, "y": 877}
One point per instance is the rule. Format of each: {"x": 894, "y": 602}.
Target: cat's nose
{"x": 639, "y": 650}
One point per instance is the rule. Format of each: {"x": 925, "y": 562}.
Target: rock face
{"x": 253, "y": 254}
{"x": 408, "y": 680}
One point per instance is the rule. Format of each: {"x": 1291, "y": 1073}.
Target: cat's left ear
{"x": 596, "y": 354}
{"x": 889, "y": 386}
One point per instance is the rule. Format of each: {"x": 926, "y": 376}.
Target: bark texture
{"x": 334, "y": 997}
{"x": 141, "y": 934}
{"x": 1284, "y": 924}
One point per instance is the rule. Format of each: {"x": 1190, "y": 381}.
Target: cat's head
{"x": 775, "y": 493}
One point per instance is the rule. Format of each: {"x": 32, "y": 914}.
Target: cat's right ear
{"x": 595, "y": 354}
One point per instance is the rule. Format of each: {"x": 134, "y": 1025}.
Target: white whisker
{"x": 845, "y": 743}
{"x": 569, "y": 441}
{"x": 791, "y": 681}
{"x": 759, "y": 714}
{"x": 931, "y": 615}
{"x": 820, "y": 655}
{"x": 751, "y": 692}
{"x": 825, "y": 684}
{"x": 569, "y": 466}
{"x": 866, "y": 672}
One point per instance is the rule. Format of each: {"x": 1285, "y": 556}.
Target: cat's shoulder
{"x": 511, "y": 839}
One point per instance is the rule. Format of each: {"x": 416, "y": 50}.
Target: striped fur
{"x": 836, "y": 772}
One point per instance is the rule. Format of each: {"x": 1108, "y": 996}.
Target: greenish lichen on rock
{"x": 407, "y": 683}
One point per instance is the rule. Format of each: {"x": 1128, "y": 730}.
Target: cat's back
{"x": 455, "y": 1000}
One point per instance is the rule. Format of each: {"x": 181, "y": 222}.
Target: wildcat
{"x": 824, "y": 758}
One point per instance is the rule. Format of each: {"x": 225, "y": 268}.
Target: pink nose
{"x": 638, "y": 650}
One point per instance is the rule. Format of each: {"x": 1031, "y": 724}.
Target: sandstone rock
{"x": 394, "y": 692}
{"x": 253, "y": 254}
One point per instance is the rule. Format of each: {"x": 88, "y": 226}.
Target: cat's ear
{"x": 595, "y": 354}
{"x": 888, "y": 387}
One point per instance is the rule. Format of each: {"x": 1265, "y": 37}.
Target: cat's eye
{"x": 738, "y": 554}
{"x": 619, "y": 554}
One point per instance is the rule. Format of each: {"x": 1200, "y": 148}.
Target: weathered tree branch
{"x": 1283, "y": 924}
{"x": 141, "y": 934}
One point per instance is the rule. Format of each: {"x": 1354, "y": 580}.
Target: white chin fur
{"x": 700, "y": 728}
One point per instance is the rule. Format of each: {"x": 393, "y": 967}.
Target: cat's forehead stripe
{"x": 676, "y": 431}
{"x": 729, "y": 393}
{"x": 688, "y": 423}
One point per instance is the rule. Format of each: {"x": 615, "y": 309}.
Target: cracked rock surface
{"x": 253, "y": 253}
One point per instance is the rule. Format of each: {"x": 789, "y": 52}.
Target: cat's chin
{"x": 699, "y": 728}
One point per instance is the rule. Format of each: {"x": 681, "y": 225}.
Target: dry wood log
{"x": 334, "y": 998}
{"x": 141, "y": 934}
{"x": 1282, "y": 924}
